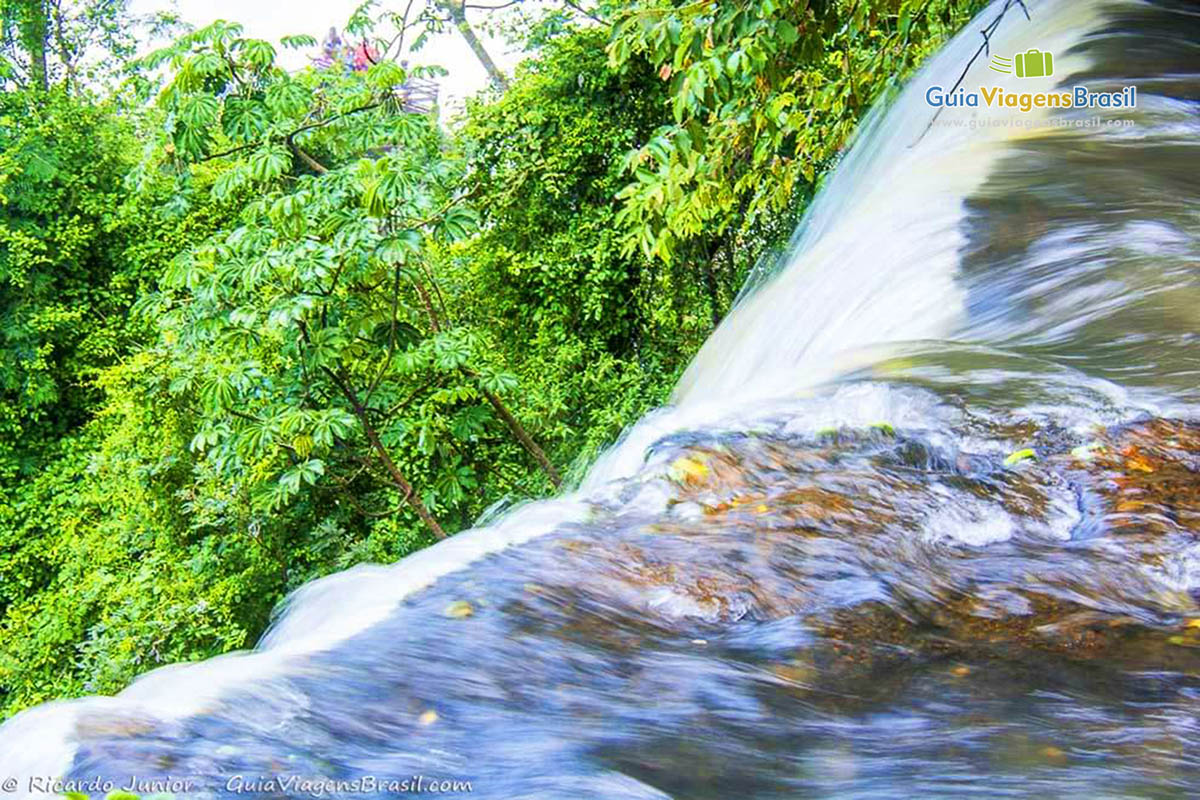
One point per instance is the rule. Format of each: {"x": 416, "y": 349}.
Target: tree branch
{"x": 300, "y": 153}
{"x": 406, "y": 488}
{"x": 491, "y": 8}
{"x": 290, "y": 137}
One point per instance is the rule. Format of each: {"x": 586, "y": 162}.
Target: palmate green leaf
{"x": 260, "y": 54}
{"x": 385, "y": 75}
{"x": 313, "y": 262}
{"x": 197, "y": 111}
{"x": 298, "y": 41}
{"x": 307, "y": 472}
{"x": 413, "y": 360}
{"x": 244, "y": 120}
{"x": 218, "y": 31}
{"x": 468, "y": 424}
{"x": 243, "y": 316}
{"x": 453, "y": 395}
{"x": 255, "y": 439}
{"x": 287, "y": 214}
{"x": 288, "y": 98}
{"x": 311, "y": 470}
{"x": 284, "y": 314}
{"x": 331, "y": 425}
{"x": 192, "y": 143}
{"x": 275, "y": 496}
{"x": 268, "y": 163}
{"x": 325, "y": 347}
{"x": 156, "y": 58}
{"x": 230, "y": 181}
{"x": 293, "y": 422}
{"x": 458, "y": 223}
{"x": 182, "y": 272}
{"x": 207, "y": 64}
{"x": 355, "y": 233}
{"x": 209, "y": 435}
{"x": 450, "y": 352}
{"x": 396, "y": 249}
{"x": 256, "y": 271}
{"x": 395, "y": 434}
{"x": 497, "y": 381}
{"x": 389, "y": 186}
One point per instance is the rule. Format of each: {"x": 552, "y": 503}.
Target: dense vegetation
{"x": 258, "y": 325}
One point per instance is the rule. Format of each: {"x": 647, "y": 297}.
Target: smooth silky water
{"x": 829, "y": 568}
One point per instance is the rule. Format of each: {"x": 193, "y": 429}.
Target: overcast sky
{"x": 271, "y": 19}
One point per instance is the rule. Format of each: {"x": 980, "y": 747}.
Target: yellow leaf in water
{"x": 1053, "y": 752}
{"x": 459, "y": 609}
{"x": 428, "y": 717}
{"x": 961, "y": 671}
{"x": 687, "y": 469}
{"x": 1014, "y": 458}
{"x": 762, "y": 508}
{"x": 1194, "y": 623}
{"x": 1139, "y": 464}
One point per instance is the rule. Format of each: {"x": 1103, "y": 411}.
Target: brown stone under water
{"x": 763, "y": 508}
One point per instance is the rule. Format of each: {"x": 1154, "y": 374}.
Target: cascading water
{"x": 923, "y": 518}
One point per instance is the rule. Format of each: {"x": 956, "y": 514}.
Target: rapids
{"x": 923, "y": 517}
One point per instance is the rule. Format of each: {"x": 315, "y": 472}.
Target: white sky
{"x": 271, "y": 19}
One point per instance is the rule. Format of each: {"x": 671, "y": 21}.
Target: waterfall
{"x": 970, "y": 283}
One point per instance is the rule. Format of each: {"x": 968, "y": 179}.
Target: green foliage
{"x": 64, "y": 277}
{"x": 597, "y": 335}
{"x": 45, "y": 44}
{"x": 309, "y": 338}
{"x": 763, "y": 95}
{"x": 95, "y": 589}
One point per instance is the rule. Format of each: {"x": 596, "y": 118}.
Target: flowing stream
{"x": 923, "y": 518}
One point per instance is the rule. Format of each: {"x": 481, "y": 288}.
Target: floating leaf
{"x": 459, "y": 609}
{"x": 1138, "y": 464}
{"x": 1014, "y": 458}
{"x": 687, "y": 469}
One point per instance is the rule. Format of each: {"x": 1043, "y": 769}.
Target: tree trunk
{"x": 410, "y": 495}
{"x": 458, "y": 14}
{"x": 514, "y": 424}
{"x": 35, "y": 28}
{"x": 518, "y": 430}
